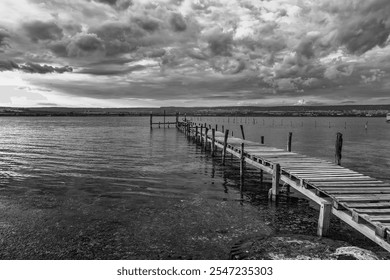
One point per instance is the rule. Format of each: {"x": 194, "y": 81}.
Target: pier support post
{"x": 212, "y": 142}
{"x": 205, "y": 137}
{"x": 289, "y": 142}
{"x": 177, "y": 119}
{"x": 324, "y": 219}
{"x": 274, "y": 191}
{"x": 242, "y": 131}
{"x": 201, "y": 134}
{"x": 242, "y": 162}
{"x": 225, "y": 146}
{"x": 339, "y": 147}
{"x": 164, "y": 118}
{"x": 196, "y": 134}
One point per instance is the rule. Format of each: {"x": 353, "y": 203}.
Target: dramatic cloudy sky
{"x": 129, "y": 53}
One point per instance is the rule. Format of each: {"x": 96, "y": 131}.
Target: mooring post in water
{"x": 151, "y": 119}
{"x": 324, "y": 218}
{"x": 225, "y": 146}
{"x": 223, "y": 128}
{"x": 164, "y": 118}
{"x": 242, "y": 161}
{"x": 274, "y": 191}
{"x": 177, "y": 118}
{"x": 339, "y": 147}
{"x": 212, "y": 142}
{"x": 262, "y": 140}
{"x": 216, "y": 127}
{"x": 242, "y": 131}
{"x": 289, "y": 142}
{"x": 201, "y": 134}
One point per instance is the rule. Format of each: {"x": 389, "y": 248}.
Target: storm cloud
{"x": 287, "y": 49}
{"x": 8, "y": 65}
{"x": 39, "y": 30}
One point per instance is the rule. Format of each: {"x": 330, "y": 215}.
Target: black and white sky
{"x": 146, "y": 53}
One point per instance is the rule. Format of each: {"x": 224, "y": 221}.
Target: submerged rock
{"x": 354, "y": 253}
{"x": 297, "y": 247}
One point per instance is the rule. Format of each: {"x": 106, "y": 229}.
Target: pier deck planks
{"x": 361, "y": 201}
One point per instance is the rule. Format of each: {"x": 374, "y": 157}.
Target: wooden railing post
{"x": 225, "y": 146}
{"x": 212, "y": 142}
{"x": 242, "y": 131}
{"x": 274, "y": 191}
{"x": 339, "y": 147}
{"x": 289, "y": 142}
{"x": 201, "y": 134}
{"x": 242, "y": 162}
{"x": 206, "y": 138}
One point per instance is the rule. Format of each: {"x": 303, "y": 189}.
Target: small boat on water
{"x": 388, "y": 117}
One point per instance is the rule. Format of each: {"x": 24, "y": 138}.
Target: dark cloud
{"x": 8, "y": 65}
{"x": 29, "y": 67}
{"x": 109, "y": 2}
{"x": 39, "y": 30}
{"x": 43, "y": 69}
{"x": 178, "y": 23}
{"x": 220, "y": 43}
{"x": 3, "y": 37}
{"x": 148, "y": 24}
{"x": 155, "y": 53}
{"x": 360, "y": 37}
{"x": 84, "y": 45}
{"x": 111, "y": 70}
{"x": 119, "y": 37}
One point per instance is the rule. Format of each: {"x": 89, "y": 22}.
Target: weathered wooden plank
{"x": 379, "y": 218}
{"x": 325, "y": 172}
{"x": 336, "y": 176}
{"x": 338, "y": 179}
{"x": 368, "y": 205}
{"x": 372, "y": 211}
{"x": 347, "y": 184}
{"x": 363, "y": 198}
{"x": 356, "y": 191}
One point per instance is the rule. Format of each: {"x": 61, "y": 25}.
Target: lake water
{"x": 111, "y": 188}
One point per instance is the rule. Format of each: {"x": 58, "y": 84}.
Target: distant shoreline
{"x": 238, "y": 111}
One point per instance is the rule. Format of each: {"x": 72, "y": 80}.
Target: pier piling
{"x": 274, "y": 191}
{"x": 212, "y": 142}
{"x": 289, "y": 141}
{"x": 242, "y": 131}
{"x": 324, "y": 219}
{"x": 225, "y": 146}
{"x": 339, "y": 147}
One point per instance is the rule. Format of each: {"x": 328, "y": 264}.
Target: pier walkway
{"x": 360, "y": 201}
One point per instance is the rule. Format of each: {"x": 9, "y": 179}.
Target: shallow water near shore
{"x": 111, "y": 188}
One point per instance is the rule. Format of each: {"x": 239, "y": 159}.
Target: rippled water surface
{"x": 109, "y": 187}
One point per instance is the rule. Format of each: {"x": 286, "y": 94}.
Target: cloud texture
{"x": 176, "y": 52}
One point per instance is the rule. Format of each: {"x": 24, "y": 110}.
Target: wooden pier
{"x": 360, "y": 201}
